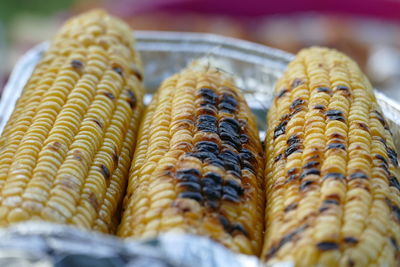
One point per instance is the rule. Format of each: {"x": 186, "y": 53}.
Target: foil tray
{"x": 255, "y": 68}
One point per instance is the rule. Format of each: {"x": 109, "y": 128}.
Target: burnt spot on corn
{"x": 331, "y": 202}
{"x": 334, "y": 114}
{"x": 118, "y": 69}
{"x": 296, "y": 103}
{"x": 336, "y": 146}
{"x": 394, "y": 209}
{"x": 285, "y": 239}
{"x": 290, "y": 207}
{"x": 296, "y": 82}
{"x": 191, "y": 195}
{"x": 337, "y": 136}
{"x": 292, "y": 178}
{"x": 327, "y": 245}
{"x": 231, "y": 161}
{"x": 311, "y": 164}
{"x": 105, "y": 171}
{"x": 358, "y": 175}
{"x": 54, "y": 146}
{"x": 131, "y": 99}
{"x": 334, "y": 175}
{"x": 136, "y": 71}
{"x": 320, "y": 107}
{"x": 190, "y": 186}
{"x": 392, "y": 156}
{"x": 229, "y": 132}
{"x": 227, "y": 103}
{"x": 232, "y": 228}
{"x": 293, "y": 139}
{"x": 188, "y": 175}
{"x": 305, "y": 185}
{"x": 76, "y": 64}
{"x": 98, "y": 123}
{"x": 394, "y": 243}
{"x": 280, "y": 129}
{"x": 292, "y": 149}
{"x": 382, "y": 158}
{"x": 278, "y": 158}
{"x": 206, "y": 109}
{"x": 363, "y": 126}
{"x": 292, "y": 171}
{"x": 244, "y": 139}
{"x": 381, "y": 119}
{"x": 324, "y": 90}
{"x": 77, "y": 154}
{"x": 207, "y": 123}
{"x": 344, "y": 90}
{"x": 394, "y": 182}
{"x": 308, "y": 172}
{"x": 109, "y": 95}
{"x": 282, "y": 92}
{"x": 93, "y": 200}
{"x": 207, "y": 146}
{"x": 350, "y": 240}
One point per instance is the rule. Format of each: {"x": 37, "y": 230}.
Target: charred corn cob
{"x": 332, "y": 173}
{"x": 66, "y": 150}
{"x": 198, "y": 164}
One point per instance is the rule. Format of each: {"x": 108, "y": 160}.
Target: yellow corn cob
{"x": 332, "y": 172}
{"x": 66, "y": 150}
{"x": 198, "y": 164}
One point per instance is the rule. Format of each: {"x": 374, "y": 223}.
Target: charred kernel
{"x": 98, "y": 123}
{"x": 323, "y": 209}
{"x": 246, "y": 154}
{"x": 188, "y": 178}
{"x": 192, "y": 195}
{"x": 382, "y": 158}
{"x": 392, "y": 156}
{"x": 248, "y": 166}
{"x": 292, "y": 171}
{"x": 321, "y": 107}
{"x": 311, "y": 164}
{"x": 118, "y": 69}
{"x": 331, "y": 201}
{"x": 290, "y": 207}
{"x": 135, "y": 71}
{"x": 77, "y": 155}
{"x": 231, "y": 140}
{"x": 238, "y": 228}
{"x": 358, "y": 175}
{"x": 324, "y": 90}
{"x": 105, "y": 171}
{"x": 231, "y": 123}
{"x": 54, "y": 146}
{"x": 228, "y": 190}
{"x": 292, "y": 149}
{"x": 206, "y": 109}
{"x": 305, "y": 184}
{"x": 215, "y": 161}
{"x": 231, "y": 198}
{"x": 207, "y": 123}
{"x": 296, "y": 111}
{"x": 294, "y": 139}
{"x": 296, "y": 82}
{"x": 225, "y": 223}
{"x": 363, "y": 126}
{"x": 337, "y": 136}
{"x": 280, "y": 129}
{"x": 311, "y": 171}
{"x": 207, "y": 93}
{"x": 297, "y": 102}
{"x": 335, "y": 175}
{"x": 215, "y": 177}
{"x": 278, "y": 158}
{"x": 211, "y": 193}
{"x": 282, "y": 93}
{"x": 324, "y": 246}
{"x": 109, "y": 95}
{"x": 227, "y": 103}
{"x": 207, "y": 146}
{"x": 191, "y": 186}
{"x": 191, "y": 171}
{"x": 350, "y": 240}
{"x": 336, "y": 146}
{"x": 394, "y": 243}
{"x": 244, "y": 139}
{"x": 229, "y": 156}
{"x": 334, "y": 114}
{"x": 202, "y": 155}
{"x": 344, "y": 89}
{"x": 380, "y": 118}
{"x": 115, "y": 158}
{"x": 235, "y": 185}
{"x": 395, "y": 209}
{"x": 292, "y": 178}
{"x": 77, "y": 64}
{"x": 212, "y": 204}
{"x": 394, "y": 182}
{"x": 131, "y": 99}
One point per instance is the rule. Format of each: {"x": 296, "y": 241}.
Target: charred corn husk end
{"x": 198, "y": 165}
{"x": 332, "y": 177}
{"x": 66, "y": 150}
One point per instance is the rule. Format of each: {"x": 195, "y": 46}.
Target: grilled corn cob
{"x": 198, "y": 164}
{"x": 66, "y": 150}
{"x": 332, "y": 171}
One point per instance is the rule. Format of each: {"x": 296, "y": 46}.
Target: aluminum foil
{"x": 255, "y": 68}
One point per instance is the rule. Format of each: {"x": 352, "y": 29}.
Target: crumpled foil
{"x": 255, "y": 69}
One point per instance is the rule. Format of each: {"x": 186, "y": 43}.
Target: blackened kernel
{"x": 215, "y": 177}
{"x": 115, "y": 158}
{"x": 207, "y": 146}
{"x": 327, "y": 245}
{"x": 131, "y": 99}
{"x": 290, "y": 207}
{"x": 297, "y": 110}
{"x": 280, "y": 129}
{"x": 207, "y": 123}
{"x": 380, "y": 118}
{"x": 202, "y": 155}
{"x": 323, "y": 209}
{"x": 77, "y": 64}
{"x": 228, "y": 190}
{"x": 238, "y": 228}
{"x": 230, "y": 198}
{"x": 206, "y": 109}
{"x": 278, "y": 158}
{"x": 246, "y": 154}
{"x": 358, "y": 175}
{"x": 311, "y": 164}
{"x": 105, "y": 171}
{"x": 137, "y": 72}
{"x": 394, "y": 182}
{"x": 207, "y": 93}
{"x": 192, "y": 195}
{"x": 324, "y": 90}
{"x": 335, "y": 175}
{"x": 394, "y": 243}
{"x": 292, "y": 149}
{"x": 98, "y": 123}
{"x": 231, "y": 123}
{"x": 293, "y": 139}
{"x": 117, "y": 68}
{"x": 212, "y": 204}
{"x": 292, "y": 178}
{"x": 392, "y": 156}
{"x": 292, "y": 171}
{"x": 305, "y": 184}
{"x": 311, "y": 171}
{"x": 215, "y": 161}
{"x": 244, "y": 139}
{"x": 350, "y": 240}
{"x": 211, "y": 193}
{"x": 363, "y": 126}
{"x": 282, "y": 93}
{"x": 320, "y": 107}
{"x": 334, "y": 114}
{"x": 226, "y": 107}
{"x": 190, "y": 186}
{"x": 336, "y": 146}
{"x": 191, "y": 171}
{"x": 248, "y": 166}
{"x": 344, "y": 89}
{"x": 230, "y": 156}
{"x": 225, "y": 223}
{"x": 235, "y": 185}
{"x": 331, "y": 201}
{"x": 188, "y": 178}
{"x": 296, "y": 82}
{"x": 382, "y": 158}
{"x": 109, "y": 95}
{"x": 297, "y": 102}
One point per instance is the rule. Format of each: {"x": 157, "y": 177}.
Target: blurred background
{"x": 368, "y": 30}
